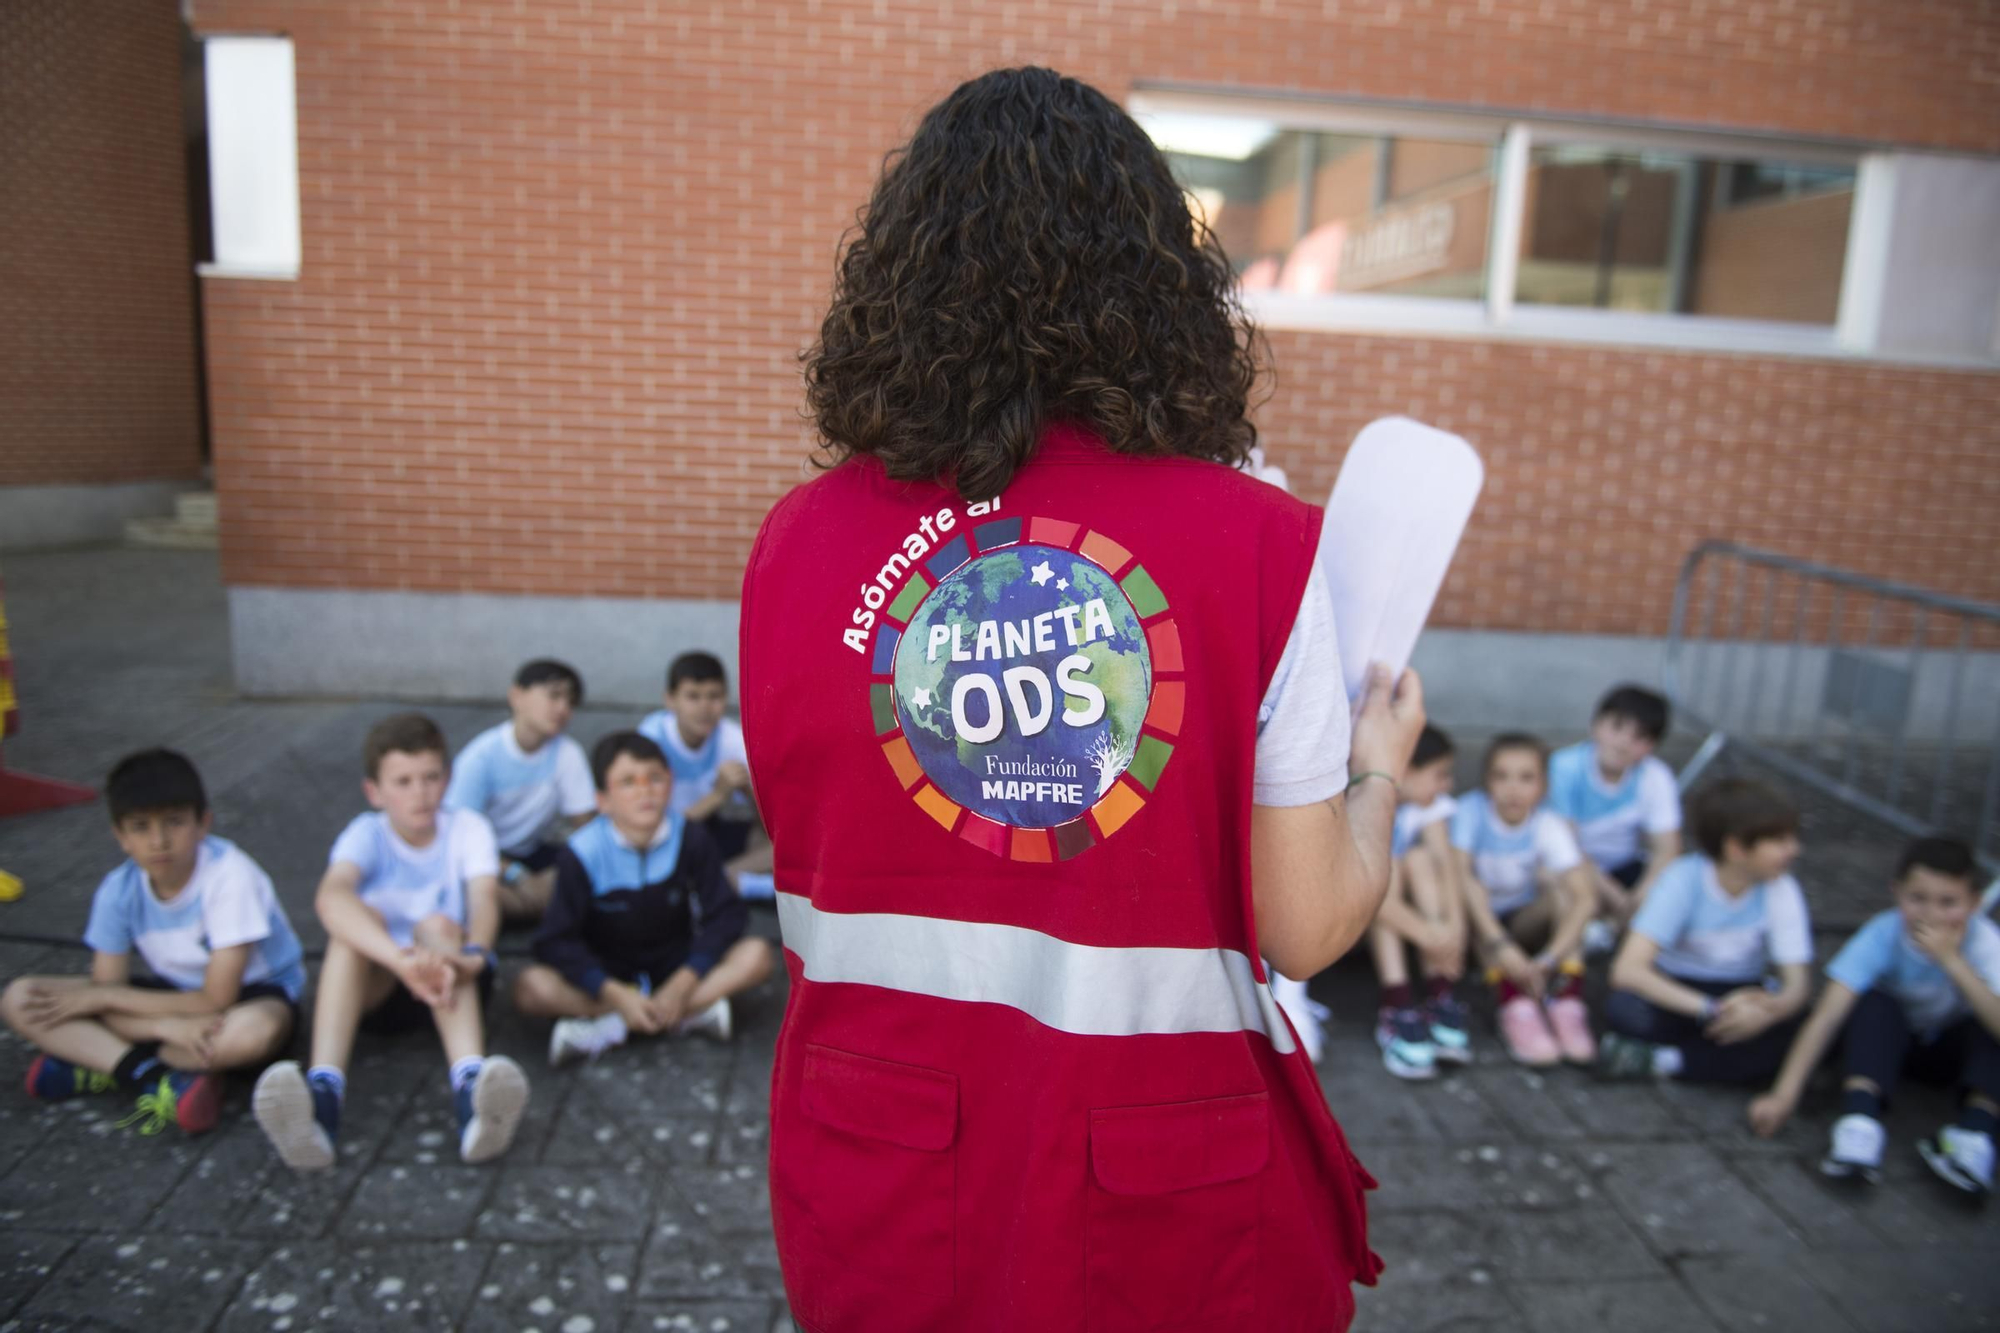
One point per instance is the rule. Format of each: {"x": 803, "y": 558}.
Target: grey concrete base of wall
{"x": 34, "y": 517}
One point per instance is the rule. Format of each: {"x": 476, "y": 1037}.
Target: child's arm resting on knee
{"x": 1634, "y": 970}
{"x": 1769, "y": 1112}
{"x": 353, "y": 922}
{"x": 221, "y": 984}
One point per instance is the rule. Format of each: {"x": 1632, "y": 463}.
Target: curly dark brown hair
{"x": 1028, "y": 256}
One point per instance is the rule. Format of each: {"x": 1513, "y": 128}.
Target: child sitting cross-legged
{"x": 1689, "y": 995}
{"x": 1918, "y": 991}
{"x": 644, "y": 934}
{"x": 711, "y": 768}
{"x": 225, "y": 963}
{"x": 1622, "y": 801}
{"x": 410, "y": 905}
{"x": 1526, "y": 885}
{"x": 1425, "y": 911}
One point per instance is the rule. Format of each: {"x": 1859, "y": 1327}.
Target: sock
{"x": 1438, "y": 988}
{"x": 139, "y": 1066}
{"x": 1979, "y": 1120}
{"x": 1568, "y": 982}
{"x": 760, "y": 888}
{"x": 464, "y": 1071}
{"x": 1860, "y": 1101}
{"x": 1667, "y": 1061}
{"x": 1397, "y": 996}
{"x": 329, "y": 1078}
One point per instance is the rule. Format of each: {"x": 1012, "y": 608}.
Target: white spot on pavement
{"x": 579, "y": 1323}
{"x": 541, "y": 1305}
{"x": 282, "y": 1302}
{"x": 489, "y": 1291}
{"x": 387, "y": 1287}
{"x": 616, "y": 1282}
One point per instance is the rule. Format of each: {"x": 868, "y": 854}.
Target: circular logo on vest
{"x": 1024, "y": 688}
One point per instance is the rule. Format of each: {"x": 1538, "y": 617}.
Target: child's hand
{"x": 49, "y": 1003}
{"x": 631, "y": 1006}
{"x": 1769, "y": 1113}
{"x": 1517, "y": 967}
{"x": 732, "y": 776}
{"x": 204, "y": 1041}
{"x": 429, "y": 975}
{"x": 668, "y": 1008}
{"x": 1442, "y": 954}
{"x": 1741, "y": 1015}
{"x": 1937, "y": 942}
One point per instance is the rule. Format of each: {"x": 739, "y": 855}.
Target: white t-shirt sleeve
{"x": 576, "y": 791}
{"x": 1982, "y": 950}
{"x": 473, "y": 846}
{"x": 357, "y": 845}
{"x": 1302, "y": 724}
{"x": 1659, "y": 798}
{"x": 1790, "y": 924}
{"x": 110, "y": 928}
{"x": 233, "y": 907}
{"x": 1555, "y": 844}
{"x": 732, "y": 748}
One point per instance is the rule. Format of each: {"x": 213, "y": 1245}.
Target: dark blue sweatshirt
{"x": 618, "y": 911}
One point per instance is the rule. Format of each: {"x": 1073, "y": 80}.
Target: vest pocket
{"x": 877, "y": 1146}
{"x": 1172, "y": 1214}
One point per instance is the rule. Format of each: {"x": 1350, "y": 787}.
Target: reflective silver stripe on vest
{"x": 1080, "y": 988}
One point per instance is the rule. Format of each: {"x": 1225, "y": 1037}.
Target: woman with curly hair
{"x": 1042, "y": 697}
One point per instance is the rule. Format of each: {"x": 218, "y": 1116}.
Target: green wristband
{"x": 1360, "y": 778}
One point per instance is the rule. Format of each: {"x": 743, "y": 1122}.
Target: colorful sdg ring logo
{"x": 1029, "y": 699}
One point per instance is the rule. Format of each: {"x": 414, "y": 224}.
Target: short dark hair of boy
{"x": 1514, "y": 740}
{"x": 1643, "y": 708}
{"x": 548, "y": 671}
{"x": 1949, "y": 857}
{"x": 630, "y": 743}
{"x": 154, "y": 780}
{"x": 1432, "y": 745}
{"x": 1744, "y": 809}
{"x": 695, "y": 666}
{"x": 404, "y": 733}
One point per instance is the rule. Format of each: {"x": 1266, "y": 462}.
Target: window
{"x": 253, "y": 157}
{"x": 1380, "y": 217}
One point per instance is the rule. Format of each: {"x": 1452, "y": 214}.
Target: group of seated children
{"x": 640, "y": 929}
{"x": 1713, "y": 976}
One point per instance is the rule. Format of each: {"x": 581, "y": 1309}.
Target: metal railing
{"x": 1881, "y": 695}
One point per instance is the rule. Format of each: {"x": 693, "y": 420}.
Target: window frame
{"x": 1500, "y": 314}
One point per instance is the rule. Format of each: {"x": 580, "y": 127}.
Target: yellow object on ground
{"x": 10, "y": 887}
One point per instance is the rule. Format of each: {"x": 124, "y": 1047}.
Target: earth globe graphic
{"x": 1031, "y": 608}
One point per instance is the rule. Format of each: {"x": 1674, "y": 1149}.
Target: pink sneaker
{"x": 1572, "y": 1024}
{"x": 1525, "y": 1029}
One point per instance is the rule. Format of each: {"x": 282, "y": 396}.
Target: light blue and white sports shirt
{"x": 1613, "y": 819}
{"x": 1509, "y": 858}
{"x": 694, "y": 769}
{"x": 1706, "y": 933}
{"x": 406, "y": 884}
{"x": 1412, "y": 820}
{"x": 1880, "y": 955}
{"x": 518, "y": 792}
{"x": 228, "y": 901}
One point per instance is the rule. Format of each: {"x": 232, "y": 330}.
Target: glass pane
{"x": 1319, "y": 213}
{"x": 1663, "y": 232}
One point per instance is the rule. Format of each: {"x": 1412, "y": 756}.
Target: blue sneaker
{"x": 1450, "y": 1041}
{"x": 489, "y": 1109}
{"x": 301, "y": 1119}
{"x": 53, "y": 1079}
{"x": 1405, "y": 1039}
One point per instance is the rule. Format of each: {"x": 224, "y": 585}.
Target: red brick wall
{"x": 560, "y": 259}
{"x": 98, "y": 371}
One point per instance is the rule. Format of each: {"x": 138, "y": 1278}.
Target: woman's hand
{"x": 1388, "y": 723}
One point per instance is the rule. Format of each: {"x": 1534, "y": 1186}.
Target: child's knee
{"x": 760, "y": 958}
{"x": 251, "y": 1034}
{"x": 438, "y": 931}
{"x": 14, "y": 1001}
{"x": 537, "y": 989}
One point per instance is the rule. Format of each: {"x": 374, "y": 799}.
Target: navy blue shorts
{"x": 536, "y": 859}
{"x": 256, "y": 990}
{"x": 403, "y": 1012}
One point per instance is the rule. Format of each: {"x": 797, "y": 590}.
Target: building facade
{"x": 1678, "y": 269}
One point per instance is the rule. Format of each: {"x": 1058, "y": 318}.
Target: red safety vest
{"x": 1030, "y": 1075}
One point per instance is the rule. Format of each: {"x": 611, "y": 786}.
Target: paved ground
{"x": 635, "y": 1198}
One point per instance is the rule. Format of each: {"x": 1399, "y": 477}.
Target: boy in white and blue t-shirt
{"x": 202, "y": 915}
{"x": 1691, "y": 995}
{"x": 1622, "y": 801}
{"x": 711, "y": 767}
{"x": 1917, "y": 992}
{"x": 524, "y": 775}
{"x": 411, "y": 907}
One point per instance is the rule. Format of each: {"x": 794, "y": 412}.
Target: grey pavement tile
{"x": 684, "y": 1260}
{"x": 1830, "y": 1214}
{"x": 1718, "y": 1117}
{"x": 1371, "y": 1106}
{"x": 415, "y": 1201}
{"x": 1912, "y": 1291}
{"x": 684, "y": 1079}
{"x": 1535, "y": 1103}
{"x": 1428, "y": 1288}
{"x": 226, "y": 1182}
{"x": 1685, "y": 1200}
{"x": 708, "y": 1317}
{"x": 1612, "y": 1112}
{"x": 1587, "y": 1244}
{"x": 326, "y": 1284}
{"x": 730, "y": 1200}
{"x": 553, "y": 1203}
{"x": 1755, "y": 1296}
{"x": 744, "y": 1141}
{"x": 581, "y": 1287}
{"x": 1659, "y": 1305}
{"x": 583, "y": 1134}
{"x": 116, "y": 1282}
{"x": 88, "y": 1174}
{"x": 26, "y": 1260}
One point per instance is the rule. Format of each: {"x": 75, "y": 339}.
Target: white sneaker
{"x": 1600, "y": 937}
{"x": 490, "y": 1109}
{"x": 283, "y": 1105}
{"x": 574, "y": 1039}
{"x": 1856, "y": 1150}
{"x": 713, "y": 1022}
{"x": 1305, "y": 1013}
{"x": 1962, "y": 1158}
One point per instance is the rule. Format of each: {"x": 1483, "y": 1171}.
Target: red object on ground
{"x": 23, "y": 793}
{"x": 1031, "y": 1076}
